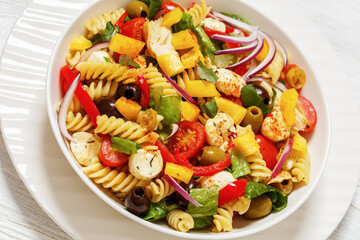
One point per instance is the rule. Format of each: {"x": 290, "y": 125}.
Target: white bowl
{"x": 318, "y": 143}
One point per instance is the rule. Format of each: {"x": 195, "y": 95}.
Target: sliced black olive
{"x": 130, "y": 91}
{"x": 180, "y": 199}
{"x": 262, "y": 92}
{"x": 137, "y": 202}
{"x": 106, "y": 105}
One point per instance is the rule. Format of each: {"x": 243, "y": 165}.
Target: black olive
{"x": 106, "y": 105}
{"x": 137, "y": 202}
{"x": 180, "y": 199}
{"x": 131, "y": 91}
{"x": 262, "y": 92}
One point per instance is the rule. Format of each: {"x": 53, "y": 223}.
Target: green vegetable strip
{"x": 124, "y": 145}
{"x": 206, "y": 44}
{"x": 205, "y": 73}
{"x": 169, "y": 108}
{"x": 208, "y": 197}
{"x": 239, "y": 165}
{"x": 210, "y": 109}
{"x": 154, "y": 7}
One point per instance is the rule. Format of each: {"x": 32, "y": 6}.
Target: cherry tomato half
{"x": 310, "y": 114}
{"x": 267, "y": 150}
{"x": 167, "y": 6}
{"x": 189, "y": 139}
{"x": 111, "y": 158}
{"x": 134, "y": 28}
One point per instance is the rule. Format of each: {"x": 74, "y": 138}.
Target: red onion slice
{"x": 282, "y": 51}
{"x": 281, "y": 86}
{"x": 232, "y": 21}
{"x": 239, "y": 40}
{"x": 269, "y": 57}
{"x": 283, "y": 158}
{"x": 65, "y": 106}
{"x": 251, "y": 55}
{"x": 253, "y": 65}
{"x": 178, "y": 88}
{"x": 94, "y": 48}
{"x": 180, "y": 190}
{"x": 175, "y": 128}
{"x": 257, "y": 79}
{"x": 247, "y": 48}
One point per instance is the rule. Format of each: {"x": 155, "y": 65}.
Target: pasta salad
{"x": 188, "y": 116}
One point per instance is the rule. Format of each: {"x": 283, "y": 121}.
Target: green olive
{"x": 254, "y": 117}
{"x": 137, "y": 9}
{"x": 211, "y": 155}
{"x": 148, "y": 119}
{"x": 259, "y": 207}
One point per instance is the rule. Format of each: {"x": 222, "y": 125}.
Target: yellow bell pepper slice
{"x": 171, "y": 18}
{"x": 189, "y": 112}
{"x": 128, "y": 108}
{"x": 182, "y": 173}
{"x": 126, "y": 45}
{"x": 184, "y": 40}
{"x": 300, "y": 143}
{"x": 287, "y": 105}
{"x": 201, "y": 88}
{"x": 246, "y": 144}
{"x": 170, "y": 63}
{"x": 80, "y": 43}
{"x": 235, "y": 111}
{"x": 190, "y": 58}
{"x": 264, "y": 52}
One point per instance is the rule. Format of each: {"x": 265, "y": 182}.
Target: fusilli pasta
{"x": 101, "y": 89}
{"x": 274, "y": 70}
{"x": 77, "y": 122}
{"x": 187, "y": 75}
{"x": 158, "y": 189}
{"x": 240, "y": 205}
{"x": 223, "y": 219}
{"x": 180, "y": 220}
{"x": 301, "y": 169}
{"x": 199, "y": 12}
{"x": 101, "y": 70}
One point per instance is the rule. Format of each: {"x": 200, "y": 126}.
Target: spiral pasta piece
{"x": 187, "y": 75}
{"x": 223, "y": 219}
{"x": 101, "y": 70}
{"x": 73, "y": 59}
{"x": 155, "y": 79}
{"x": 98, "y": 24}
{"x": 180, "y": 220}
{"x": 259, "y": 171}
{"x": 199, "y": 12}
{"x": 101, "y": 89}
{"x": 119, "y": 180}
{"x": 158, "y": 190}
{"x": 78, "y": 123}
{"x": 121, "y": 128}
{"x": 274, "y": 70}
{"x": 75, "y": 105}
{"x": 240, "y": 205}
{"x": 301, "y": 170}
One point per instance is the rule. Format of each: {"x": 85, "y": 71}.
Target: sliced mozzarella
{"x": 98, "y": 56}
{"x": 214, "y": 24}
{"x": 229, "y": 82}
{"x": 220, "y": 179}
{"x": 85, "y": 148}
{"x": 145, "y": 165}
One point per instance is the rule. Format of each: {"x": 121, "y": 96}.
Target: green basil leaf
{"x": 254, "y": 189}
{"x": 124, "y": 145}
{"x": 186, "y": 22}
{"x": 210, "y": 109}
{"x": 156, "y": 211}
{"x": 107, "y": 59}
{"x": 235, "y": 16}
{"x": 249, "y": 96}
{"x": 96, "y": 39}
{"x": 205, "y": 73}
{"x": 239, "y": 164}
{"x": 126, "y": 60}
{"x": 169, "y": 108}
{"x": 154, "y": 7}
{"x": 208, "y": 197}
{"x": 109, "y": 32}
{"x": 203, "y": 222}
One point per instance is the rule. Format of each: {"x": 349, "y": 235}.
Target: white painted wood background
{"x": 339, "y": 20}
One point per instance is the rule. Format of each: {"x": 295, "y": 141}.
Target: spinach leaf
{"x": 109, "y": 32}
{"x": 278, "y": 198}
{"x": 205, "y": 73}
{"x": 156, "y": 211}
{"x": 239, "y": 165}
{"x": 210, "y": 109}
{"x": 96, "y": 39}
{"x": 186, "y": 22}
{"x": 203, "y": 222}
{"x": 208, "y": 197}
{"x": 169, "y": 108}
{"x": 124, "y": 145}
{"x": 155, "y": 97}
{"x": 154, "y": 7}
{"x": 235, "y": 16}
{"x": 126, "y": 60}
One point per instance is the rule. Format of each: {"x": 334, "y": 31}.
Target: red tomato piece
{"x": 189, "y": 139}
{"x": 167, "y": 6}
{"x": 232, "y": 191}
{"x": 268, "y": 150}
{"x": 310, "y": 114}
{"x": 111, "y": 158}
{"x": 166, "y": 155}
{"x": 134, "y": 28}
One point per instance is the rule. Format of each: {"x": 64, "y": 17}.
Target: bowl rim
{"x": 116, "y": 206}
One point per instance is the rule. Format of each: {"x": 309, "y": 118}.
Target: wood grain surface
{"x": 22, "y": 218}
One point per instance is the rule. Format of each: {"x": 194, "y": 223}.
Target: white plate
{"x": 82, "y": 214}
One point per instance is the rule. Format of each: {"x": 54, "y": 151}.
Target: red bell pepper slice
{"x": 166, "y": 155}
{"x": 203, "y": 170}
{"x": 90, "y": 108}
{"x": 145, "y": 97}
{"x": 121, "y": 20}
{"x": 232, "y": 191}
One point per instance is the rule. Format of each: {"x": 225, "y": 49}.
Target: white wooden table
{"x": 338, "y": 20}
